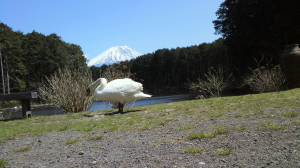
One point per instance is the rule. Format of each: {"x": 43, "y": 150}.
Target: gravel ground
{"x": 163, "y": 146}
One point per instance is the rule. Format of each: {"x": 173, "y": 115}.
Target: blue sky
{"x": 96, "y": 25}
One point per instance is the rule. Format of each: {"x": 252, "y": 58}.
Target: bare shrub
{"x": 213, "y": 84}
{"x": 117, "y": 71}
{"x": 66, "y": 90}
{"x": 263, "y": 79}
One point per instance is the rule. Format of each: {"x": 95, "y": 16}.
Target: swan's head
{"x": 88, "y": 91}
{"x": 93, "y": 86}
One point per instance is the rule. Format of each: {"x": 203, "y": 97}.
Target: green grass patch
{"x": 241, "y": 127}
{"x": 271, "y": 125}
{"x": 223, "y": 152}
{"x": 213, "y": 115}
{"x": 97, "y": 137}
{"x": 98, "y": 149}
{"x": 71, "y": 141}
{"x": 290, "y": 114}
{"x": 276, "y": 127}
{"x": 220, "y": 130}
{"x": 22, "y": 149}
{"x": 113, "y": 127}
{"x": 193, "y": 150}
{"x": 202, "y": 134}
{"x": 185, "y": 127}
{"x": 155, "y": 145}
{"x": 63, "y": 126}
{"x": 296, "y": 121}
{"x": 3, "y": 162}
{"x": 129, "y": 128}
{"x": 83, "y": 126}
{"x": 266, "y": 116}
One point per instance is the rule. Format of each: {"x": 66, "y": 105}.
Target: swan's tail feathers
{"x": 146, "y": 95}
{"x": 141, "y": 95}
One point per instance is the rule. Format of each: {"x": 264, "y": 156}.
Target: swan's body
{"x": 117, "y": 91}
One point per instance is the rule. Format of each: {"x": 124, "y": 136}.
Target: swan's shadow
{"x": 117, "y": 112}
{"x": 112, "y": 113}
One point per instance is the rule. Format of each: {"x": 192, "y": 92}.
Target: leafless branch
{"x": 66, "y": 90}
{"x": 213, "y": 83}
{"x": 263, "y": 79}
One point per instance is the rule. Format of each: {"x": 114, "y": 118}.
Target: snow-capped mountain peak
{"x": 114, "y": 54}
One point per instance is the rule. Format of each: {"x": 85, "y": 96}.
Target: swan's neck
{"x": 102, "y": 85}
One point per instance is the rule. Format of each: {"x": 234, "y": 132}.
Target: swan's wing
{"x": 125, "y": 87}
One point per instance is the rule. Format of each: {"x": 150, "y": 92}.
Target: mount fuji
{"x": 112, "y": 55}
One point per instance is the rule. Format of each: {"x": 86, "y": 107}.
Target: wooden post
{"x": 26, "y": 108}
{"x": 25, "y": 101}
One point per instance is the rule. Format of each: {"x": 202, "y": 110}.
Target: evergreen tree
{"x": 255, "y": 28}
{"x": 33, "y": 56}
{"x": 12, "y": 53}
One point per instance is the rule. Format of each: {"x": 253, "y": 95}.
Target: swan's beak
{"x": 88, "y": 91}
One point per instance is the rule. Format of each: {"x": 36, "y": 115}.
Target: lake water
{"x": 148, "y": 101}
{"x": 49, "y": 110}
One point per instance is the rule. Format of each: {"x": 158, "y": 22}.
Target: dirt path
{"x": 252, "y": 143}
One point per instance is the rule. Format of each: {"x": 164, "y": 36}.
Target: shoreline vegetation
{"x": 216, "y": 128}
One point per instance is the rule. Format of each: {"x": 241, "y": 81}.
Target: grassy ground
{"x": 238, "y": 130}
{"x": 239, "y": 107}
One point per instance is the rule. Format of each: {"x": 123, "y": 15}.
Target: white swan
{"x": 117, "y": 91}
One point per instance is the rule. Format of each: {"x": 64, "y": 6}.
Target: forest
{"x": 250, "y": 30}
{"x": 29, "y": 58}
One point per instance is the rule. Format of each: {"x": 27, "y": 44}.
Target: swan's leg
{"x": 121, "y": 108}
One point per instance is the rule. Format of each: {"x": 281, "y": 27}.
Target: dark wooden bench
{"x": 25, "y": 101}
